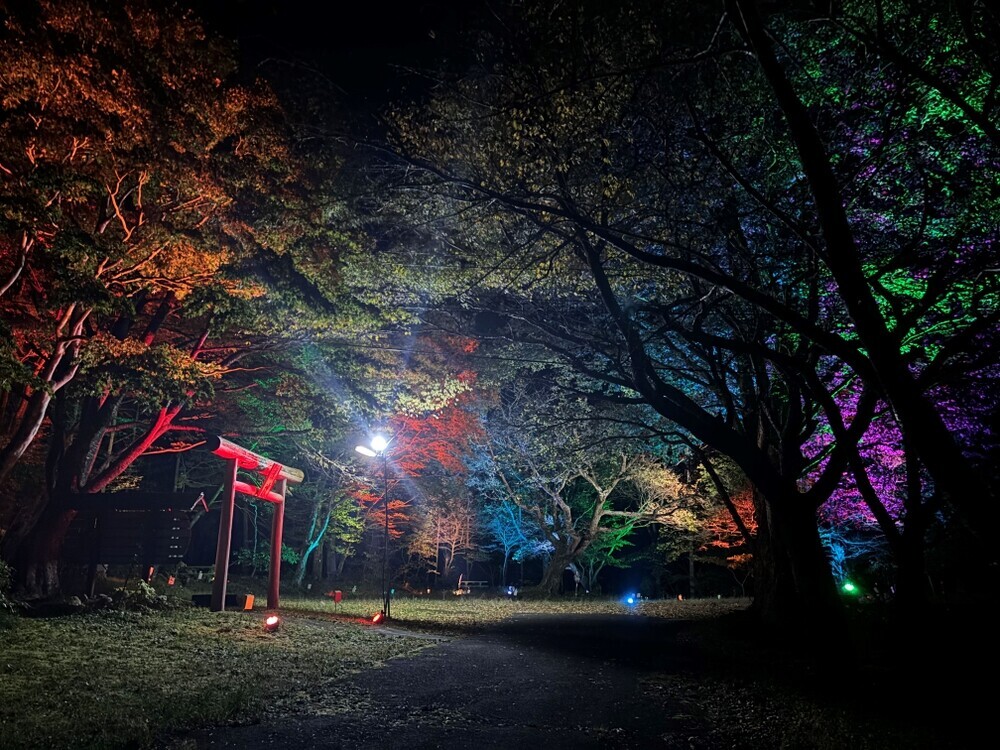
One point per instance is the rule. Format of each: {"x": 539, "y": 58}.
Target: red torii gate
{"x": 276, "y": 479}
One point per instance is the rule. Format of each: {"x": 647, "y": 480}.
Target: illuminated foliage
{"x": 445, "y": 531}
{"x": 508, "y": 530}
{"x": 727, "y": 237}
{"x": 166, "y": 252}
{"x": 606, "y": 262}
{"x": 112, "y": 228}
{"x": 573, "y": 486}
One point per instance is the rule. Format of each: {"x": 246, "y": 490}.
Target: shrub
{"x": 140, "y": 595}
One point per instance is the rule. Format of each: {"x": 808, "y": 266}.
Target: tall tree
{"x": 576, "y": 489}
{"x": 165, "y": 254}
{"x": 571, "y": 234}
{"x": 445, "y": 532}
{"x": 621, "y": 201}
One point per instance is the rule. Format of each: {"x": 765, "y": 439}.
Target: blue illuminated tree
{"x": 512, "y": 533}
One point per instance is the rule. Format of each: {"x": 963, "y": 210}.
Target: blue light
{"x": 630, "y": 600}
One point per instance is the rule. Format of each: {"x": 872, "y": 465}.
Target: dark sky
{"x": 359, "y": 45}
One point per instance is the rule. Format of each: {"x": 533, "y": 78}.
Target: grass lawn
{"x": 469, "y": 613}
{"x": 117, "y": 679}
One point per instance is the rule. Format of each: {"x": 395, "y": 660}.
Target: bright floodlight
{"x": 364, "y": 450}
{"x": 379, "y": 443}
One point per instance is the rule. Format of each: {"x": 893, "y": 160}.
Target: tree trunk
{"x": 313, "y": 539}
{"x": 338, "y": 571}
{"x": 692, "y": 581}
{"x": 325, "y": 566}
{"x": 796, "y": 540}
{"x": 25, "y": 434}
{"x": 778, "y": 598}
{"x": 37, "y": 560}
{"x": 911, "y": 572}
{"x": 772, "y": 593}
{"x": 552, "y": 577}
{"x": 316, "y": 566}
{"x": 911, "y": 576}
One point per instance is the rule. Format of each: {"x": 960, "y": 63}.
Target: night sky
{"x": 359, "y": 46}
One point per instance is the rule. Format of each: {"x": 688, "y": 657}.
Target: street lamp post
{"x": 378, "y": 449}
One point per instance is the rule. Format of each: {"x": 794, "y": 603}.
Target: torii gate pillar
{"x": 277, "y": 528}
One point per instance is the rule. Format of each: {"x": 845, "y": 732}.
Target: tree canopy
{"x": 730, "y": 225}
{"x": 597, "y": 249}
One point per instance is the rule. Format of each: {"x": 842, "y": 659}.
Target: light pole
{"x": 378, "y": 448}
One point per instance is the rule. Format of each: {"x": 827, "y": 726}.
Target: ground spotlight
{"x": 377, "y": 617}
{"x": 271, "y": 623}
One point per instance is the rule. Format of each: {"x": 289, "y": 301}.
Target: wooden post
{"x": 277, "y": 526}
{"x": 225, "y": 542}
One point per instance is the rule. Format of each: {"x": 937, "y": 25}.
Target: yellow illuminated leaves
{"x": 155, "y": 373}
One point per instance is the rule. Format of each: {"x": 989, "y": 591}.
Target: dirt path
{"x": 615, "y": 682}
{"x": 555, "y": 682}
